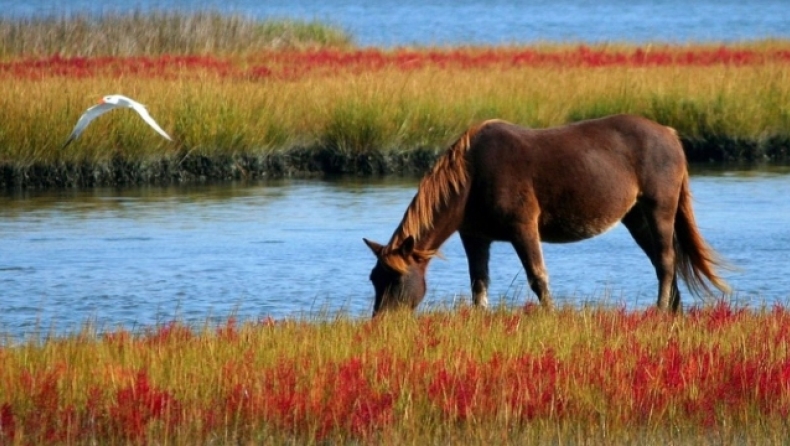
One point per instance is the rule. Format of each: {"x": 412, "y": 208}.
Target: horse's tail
{"x": 696, "y": 260}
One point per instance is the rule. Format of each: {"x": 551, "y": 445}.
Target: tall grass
{"x": 160, "y": 32}
{"x": 385, "y": 110}
{"x": 593, "y": 375}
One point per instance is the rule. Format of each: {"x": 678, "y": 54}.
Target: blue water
{"x": 452, "y": 22}
{"x": 140, "y": 256}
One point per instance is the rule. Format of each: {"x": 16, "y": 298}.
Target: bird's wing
{"x": 86, "y": 118}
{"x": 141, "y": 110}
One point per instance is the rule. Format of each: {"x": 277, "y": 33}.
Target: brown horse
{"x": 502, "y": 182}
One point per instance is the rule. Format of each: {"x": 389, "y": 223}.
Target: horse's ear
{"x": 407, "y": 247}
{"x": 375, "y": 247}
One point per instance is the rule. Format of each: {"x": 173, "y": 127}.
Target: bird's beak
{"x": 101, "y": 101}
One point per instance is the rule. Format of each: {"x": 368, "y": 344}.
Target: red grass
{"x": 298, "y": 64}
{"x": 136, "y": 406}
{"x": 630, "y": 383}
{"x": 83, "y": 67}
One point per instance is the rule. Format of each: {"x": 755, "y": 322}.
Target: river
{"x": 135, "y": 257}
{"x": 139, "y": 256}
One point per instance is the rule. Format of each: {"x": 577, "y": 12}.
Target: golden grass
{"x": 389, "y": 109}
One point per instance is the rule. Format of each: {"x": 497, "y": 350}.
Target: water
{"x": 141, "y": 256}
{"x": 136, "y": 257}
{"x": 452, "y": 22}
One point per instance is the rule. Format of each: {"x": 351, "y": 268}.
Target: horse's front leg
{"x": 526, "y": 241}
{"x": 477, "y": 254}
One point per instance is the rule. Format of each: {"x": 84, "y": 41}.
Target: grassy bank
{"x": 593, "y": 376}
{"x": 251, "y": 112}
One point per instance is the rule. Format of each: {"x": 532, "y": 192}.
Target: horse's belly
{"x": 582, "y": 214}
{"x": 566, "y": 231}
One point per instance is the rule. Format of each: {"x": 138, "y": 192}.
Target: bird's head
{"x": 114, "y": 99}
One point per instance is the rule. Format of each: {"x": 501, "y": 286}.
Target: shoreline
{"x": 185, "y": 168}
{"x": 311, "y": 162}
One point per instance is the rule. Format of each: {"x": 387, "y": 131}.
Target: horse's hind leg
{"x": 653, "y": 230}
{"x": 527, "y": 245}
{"x": 477, "y": 254}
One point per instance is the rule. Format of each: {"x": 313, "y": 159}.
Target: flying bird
{"x": 108, "y": 103}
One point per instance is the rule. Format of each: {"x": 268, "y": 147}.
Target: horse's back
{"x": 619, "y": 144}
{"x": 616, "y": 133}
{"x": 580, "y": 179}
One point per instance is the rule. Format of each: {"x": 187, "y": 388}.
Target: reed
{"x": 160, "y": 32}
{"x": 591, "y": 375}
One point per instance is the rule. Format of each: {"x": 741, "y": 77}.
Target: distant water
{"x": 391, "y": 23}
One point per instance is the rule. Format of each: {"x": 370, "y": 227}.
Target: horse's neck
{"x": 430, "y": 227}
{"x": 436, "y": 210}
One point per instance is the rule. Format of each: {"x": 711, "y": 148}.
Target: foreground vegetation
{"x": 240, "y": 111}
{"x": 717, "y": 374}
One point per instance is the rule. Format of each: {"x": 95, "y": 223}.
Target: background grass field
{"x": 319, "y": 104}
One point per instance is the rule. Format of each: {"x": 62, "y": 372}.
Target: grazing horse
{"x": 502, "y": 182}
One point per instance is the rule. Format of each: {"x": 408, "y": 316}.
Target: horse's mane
{"x": 448, "y": 176}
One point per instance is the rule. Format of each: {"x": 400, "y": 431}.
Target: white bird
{"x": 108, "y": 103}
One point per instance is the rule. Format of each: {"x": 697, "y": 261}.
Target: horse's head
{"x": 399, "y": 275}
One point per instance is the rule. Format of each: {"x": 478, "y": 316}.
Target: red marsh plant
{"x": 601, "y": 375}
{"x": 165, "y": 67}
{"x": 331, "y": 61}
